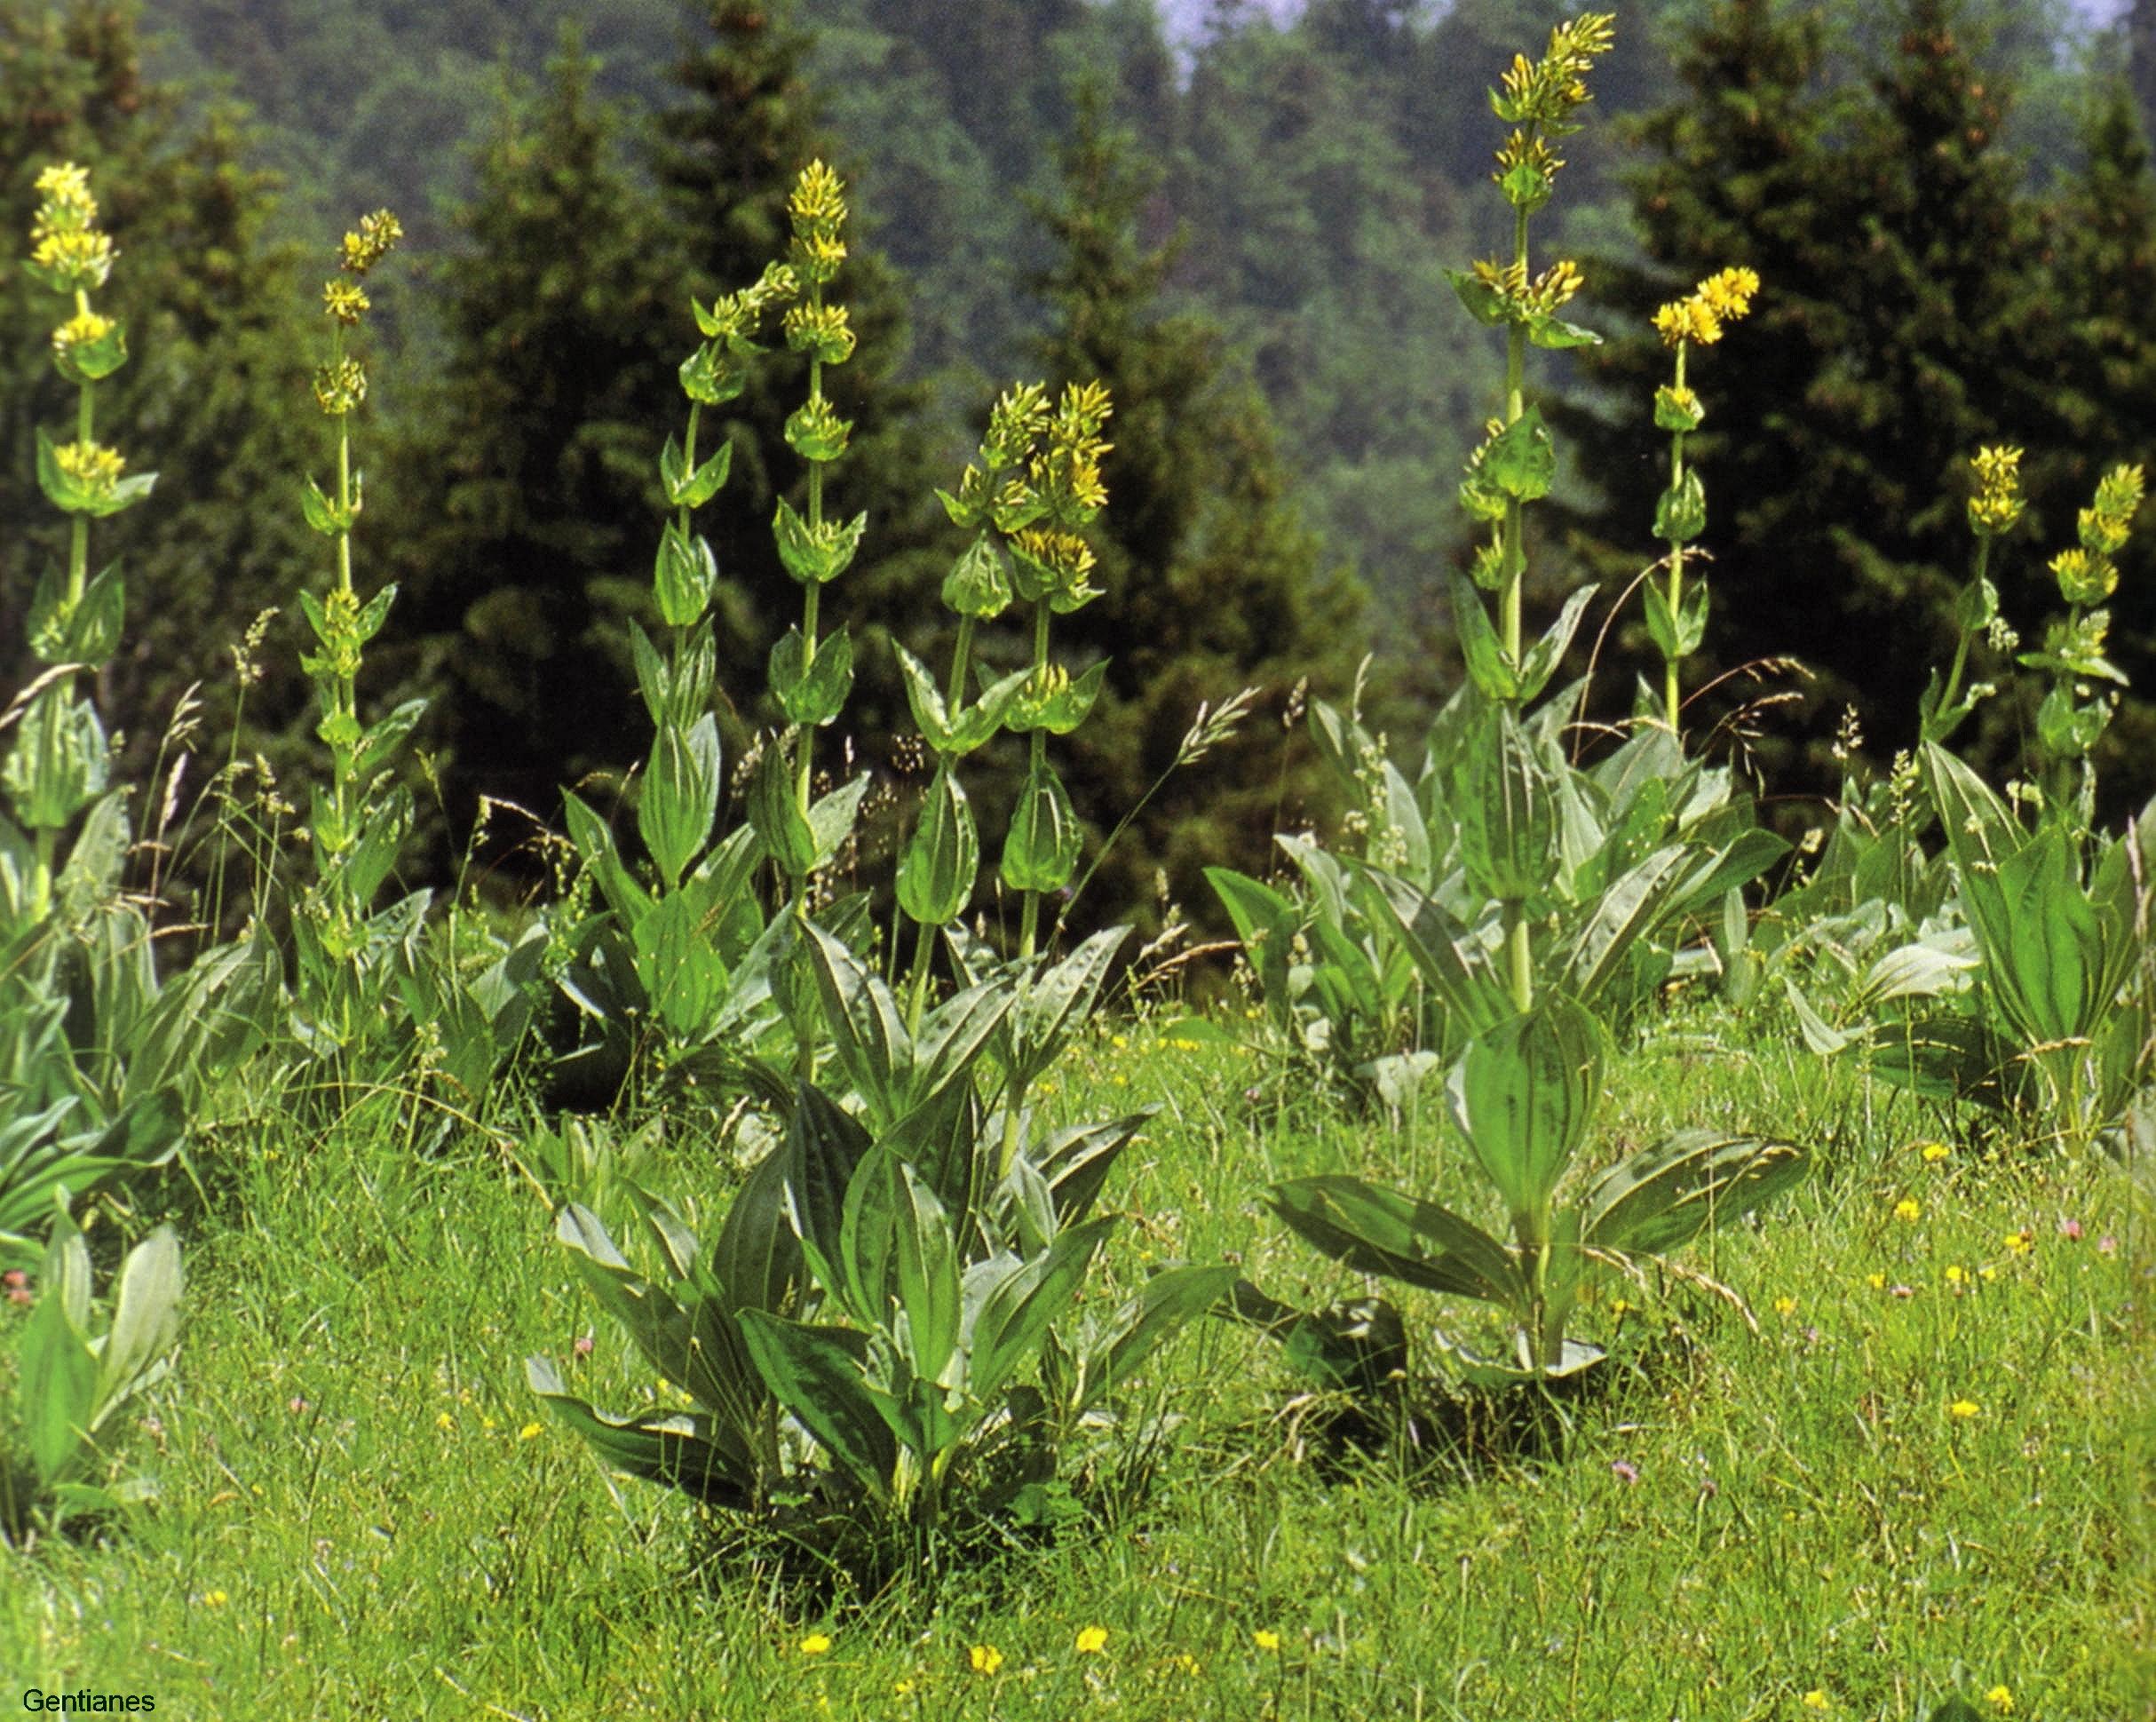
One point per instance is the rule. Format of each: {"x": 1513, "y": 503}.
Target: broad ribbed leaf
{"x": 1658, "y": 1198}
{"x": 687, "y": 1452}
{"x": 816, "y": 1374}
{"x": 1166, "y": 1303}
{"x": 1383, "y": 1232}
{"x": 1524, "y": 1093}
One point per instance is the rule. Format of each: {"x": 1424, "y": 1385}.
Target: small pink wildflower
{"x": 2070, "y": 1230}
{"x": 14, "y": 1279}
{"x": 583, "y": 1347}
{"x": 1626, "y": 1471}
{"x": 1902, "y": 1291}
{"x": 2107, "y": 1245}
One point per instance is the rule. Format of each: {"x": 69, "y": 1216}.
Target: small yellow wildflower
{"x": 1933, "y": 1152}
{"x": 1185, "y": 1664}
{"x": 985, "y": 1658}
{"x": 80, "y": 330}
{"x": 1687, "y": 320}
{"x": 1266, "y": 1640}
{"x": 215, "y": 1599}
{"x": 2016, "y": 1243}
{"x": 1729, "y": 294}
{"x": 816, "y": 1644}
{"x": 1956, "y": 1275}
{"x": 531, "y": 1431}
{"x": 73, "y": 262}
{"x": 64, "y": 205}
{"x": 1877, "y": 1281}
{"x": 2000, "y": 1700}
{"x": 345, "y": 300}
{"x": 1785, "y": 1307}
{"x": 1092, "y": 1640}
{"x": 90, "y": 465}
{"x": 443, "y": 1420}
{"x": 1618, "y": 1306}
{"x": 1816, "y": 1700}
{"x": 1118, "y": 1041}
{"x": 377, "y": 237}
{"x": 1907, "y": 1209}
{"x": 1963, "y": 1407}
{"x": 1988, "y": 1272}
{"x": 1996, "y": 507}
{"x": 340, "y": 387}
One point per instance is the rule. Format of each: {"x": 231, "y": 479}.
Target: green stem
{"x": 809, "y": 600}
{"x": 962, "y": 653}
{"x": 1960, "y": 647}
{"x": 1520, "y": 953}
{"x": 1037, "y": 759}
{"x": 78, "y": 542}
{"x": 1515, "y": 562}
{"x": 1677, "y": 558}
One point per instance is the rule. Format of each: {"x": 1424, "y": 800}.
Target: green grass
{"x": 356, "y": 1519}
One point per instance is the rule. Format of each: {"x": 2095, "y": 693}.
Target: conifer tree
{"x": 206, "y": 396}
{"x": 1211, "y": 583}
{"x": 1906, "y": 317}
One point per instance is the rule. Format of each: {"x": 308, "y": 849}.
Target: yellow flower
{"x": 79, "y": 331}
{"x": 1729, "y": 294}
{"x": 215, "y": 1599}
{"x": 2000, "y": 1700}
{"x": 1933, "y": 1152}
{"x": 1266, "y": 1640}
{"x": 1955, "y": 1276}
{"x": 815, "y": 1644}
{"x": 1785, "y": 1307}
{"x": 1907, "y": 1209}
{"x": 1092, "y": 1640}
{"x": 73, "y": 262}
{"x": 985, "y": 1658}
{"x": 1687, "y": 320}
{"x": 64, "y": 205}
{"x": 443, "y": 1420}
{"x": 531, "y": 1431}
{"x": 376, "y": 239}
{"x": 1877, "y": 1281}
{"x": 1963, "y": 1407}
{"x": 1996, "y": 507}
{"x": 90, "y": 465}
{"x": 2016, "y": 1243}
{"x": 340, "y": 387}
{"x": 1185, "y": 1664}
{"x": 1816, "y": 1700}
{"x": 345, "y": 300}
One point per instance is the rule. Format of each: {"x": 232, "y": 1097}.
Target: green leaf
{"x": 812, "y": 694}
{"x": 145, "y": 1322}
{"x": 1266, "y": 922}
{"x": 784, "y": 830}
{"x": 1382, "y": 1232}
{"x": 57, "y": 1386}
{"x": 1680, "y": 515}
{"x": 1040, "y": 850}
{"x": 1526, "y": 187}
{"x": 595, "y": 844}
{"x": 1484, "y": 304}
{"x": 927, "y": 1265}
{"x": 1164, "y": 1304}
{"x": 931, "y": 714}
{"x": 685, "y": 489}
{"x": 1524, "y": 1093}
{"x": 979, "y": 583}
{"x": 1521, "y": 460}
{"x": 1015, "y": 1315}
{"x": 323, "y": 514}
{"x": 381, "y": 738}
{"x": 1649, "y": 1203}
{"x": 1548, "y": 652}
{"x": 815, "y": 555}
{"x": 868, "y": 1030}
{"x": 831, "y": 818}
{"x": 1492, "y": 671}
{"x": 816, "y": 1373}
{"x": 670, "y": 1448}
{"x": 942, "y": 858}
{"x": 824, "y": 1149}
{"x": 684, "y": 576}
{"x": 1553, "y": 332}
{"x": 1508, "y": 814}
{"x": 1677, "y": 635}
{"x": 679, "y": 805}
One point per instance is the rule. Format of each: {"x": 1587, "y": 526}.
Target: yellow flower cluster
{"x": 1997, "y": 506}
{"x": 67, "y": 252}
{"x": 1544, "y": 296}
{"x": 821, "y": 330}
{"x": 1547, "y": 91}
{"x": 2086, "y": 574}
{"x": 376, "y": 239}
{"x": 339, "y": 387}
{"x": 91, "y": 466}
{"x": 1722, "y": 298}
{"x": 82, "y": 330}
{"x": 817, "y": 207}
{"x": 345, "y": 301}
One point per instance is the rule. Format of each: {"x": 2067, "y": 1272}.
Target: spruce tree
{"x": 535, "y": 459}
{"x": 1211, "y": 583}
{"x": 207, "y": 398}
{"x": 1907, "y": 317}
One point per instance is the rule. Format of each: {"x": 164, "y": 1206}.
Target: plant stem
{"x": 814, "y": 592}
{"x": 1521, "y": 955}
{"x": 1030, "y": 915}
{"x": 1960, "y": 647}
{"x": 962, "y": 655}
{"x": 1515, "y": 564}
{"x": 1676, "y": 556}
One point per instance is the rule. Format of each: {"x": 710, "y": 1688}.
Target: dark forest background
{"x": 1238, "y": 215}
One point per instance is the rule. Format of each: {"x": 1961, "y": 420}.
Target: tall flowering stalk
{"x": 812, "y": 676}
{"x": 1995, "y": 510}
{"x": 2071, "y": 718}
{"x": 1677, "y": 617}
{"x": 942, "y": 860}
{"x": 1051, "y": 564}
{"x": 1516, "y": 465}
{"x": 356, "y": 841}
{"x": 59, "y": 764}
